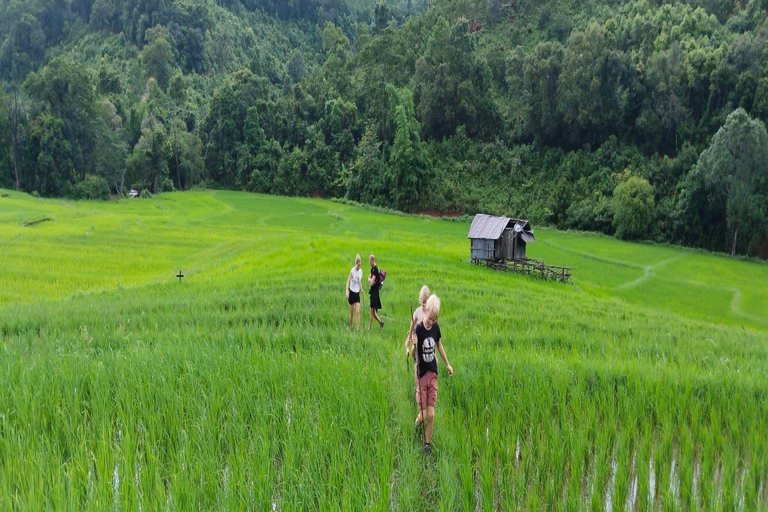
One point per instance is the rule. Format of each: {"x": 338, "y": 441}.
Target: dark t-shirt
{"x": 377, "y": 284}
{"x": 426, "y": 347}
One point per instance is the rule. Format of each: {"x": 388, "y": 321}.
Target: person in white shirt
{"x": 353, "y": 291}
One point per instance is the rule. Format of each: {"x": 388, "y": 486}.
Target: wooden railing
{"x": 528, "y": 266}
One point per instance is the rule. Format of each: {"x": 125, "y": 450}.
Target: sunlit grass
{"x": 242, "y": 388}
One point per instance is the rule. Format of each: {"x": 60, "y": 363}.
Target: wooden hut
{"x": 499, "y": 238}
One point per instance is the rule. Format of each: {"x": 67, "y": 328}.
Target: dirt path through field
{"x": 648, "y": 272}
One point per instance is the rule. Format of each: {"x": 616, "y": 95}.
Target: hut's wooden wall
{"x": 519, "y": 249}
{"x": 483, "y": 249}
{"x": 506, "y": 246}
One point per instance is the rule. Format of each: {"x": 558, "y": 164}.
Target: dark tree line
{"x": 640, "y": 119}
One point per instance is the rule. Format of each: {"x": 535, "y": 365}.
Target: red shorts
{"x": 426, "y": 392}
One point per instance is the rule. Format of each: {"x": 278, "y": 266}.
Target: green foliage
{"x": 158, "y": 59}
{"x": 408, "y": 177}
{"x": 65, "y": 90}
{"x": 7, "y": 179}
{"x": 725, "y": 195}
{"x": 518, "y": 108}
{"x": 365, "y": 182}
{"x": 167, "y": 185}
{"x": 111, "y": 149}
{"x": 23, "y": 49}
{"x": 593, "y": 83}
{"x": 148, "y": 164}
{"x": 52, "y": 152}
{"x": 187, "y": 166}
{"x": 297, "y": 69}
{"x": 92, "y": 187}
{"x": 632, "y": 207}
{"x": 594, "y": 213}
{"x": 108, "y": 79}
{"x": 381, "y": 16}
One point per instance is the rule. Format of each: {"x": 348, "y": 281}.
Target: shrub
{"x": 633, "y": 208}
{"x": 92, "y": 187}
{"x": 594, "y": 213}
{"x": 145, "y": 194}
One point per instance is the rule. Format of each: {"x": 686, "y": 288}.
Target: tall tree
{"x": 728, "y": 189}
{"x": 409, "y": 173}
{"x": 52, "y": 155}
{"x": 592, "y": 84}
{"x": 365, "y": 179}
{"x": 149, "y": 161}
{"x": 633, "y": 208}
{"x": 178, "y": 129}
{"x": 185, "y": 154}
{"x": 450, "y": 86}
{"x": 24, "y": 48}
{"x": 158, "y": 59}
{"x": 111, "y": 149}
{"x": 16, "y": 109}
{"x": 66, "y": 91}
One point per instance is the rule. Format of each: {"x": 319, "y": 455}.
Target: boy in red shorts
{"x": 427, "y": 335}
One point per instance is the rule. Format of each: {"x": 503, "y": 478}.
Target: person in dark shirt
{"x": 428, "y": 341}
{"x": 374, "y": 280}
{"x": 418, "y": 317}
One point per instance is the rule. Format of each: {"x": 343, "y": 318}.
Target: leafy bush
{"x": 145, "y": 194}
{"x": 592, "y": 214}
{"x": 167, "y": 185}
{"x": 92, "y": 187}
{"x": 633, "y": 208}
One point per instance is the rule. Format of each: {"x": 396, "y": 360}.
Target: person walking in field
{"x": 428, "y": 341}
{"x": 374, "y": 280}
{"x": 354, "y": 280}
{"x": 418, "y": 317}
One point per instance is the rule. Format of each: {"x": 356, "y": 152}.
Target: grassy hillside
{"x": 641, "y": 384}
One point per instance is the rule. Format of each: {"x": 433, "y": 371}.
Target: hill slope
{"x": 241, "y": 386}
{"x": 554, "y": 111}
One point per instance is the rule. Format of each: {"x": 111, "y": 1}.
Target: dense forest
{"x": 641, "y": 119}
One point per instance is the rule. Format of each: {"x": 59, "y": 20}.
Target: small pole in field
{"x": 180, "y": 275}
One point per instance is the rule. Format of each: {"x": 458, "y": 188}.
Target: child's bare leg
{"x": 351, "y": 310}
{"x": 370, "y": 322}
{"x": 420, "y": 392}
{"x": 430, "y": 423}
{"x": 357, "y": 312}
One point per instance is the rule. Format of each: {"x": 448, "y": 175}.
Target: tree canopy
{"x": 526, "y": 109}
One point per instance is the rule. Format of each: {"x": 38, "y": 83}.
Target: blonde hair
{"x": 371, "y": 258}
{"x": 433, "y": 307}
{"x": 358, "y": 259}
{"x": 424, "y": 293}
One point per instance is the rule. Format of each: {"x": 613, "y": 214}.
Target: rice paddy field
{"x": 641, "y": 385}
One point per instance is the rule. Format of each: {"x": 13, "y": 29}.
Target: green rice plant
{"x": 643, "y": 464}
{"x": 687, "y": 462}
{"x": 241, "y": 387}
{"x": 729, "y": 482}
{"x": 623, "y": 461}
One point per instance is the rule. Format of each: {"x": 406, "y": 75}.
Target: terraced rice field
{"x": 639, "y": 386}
